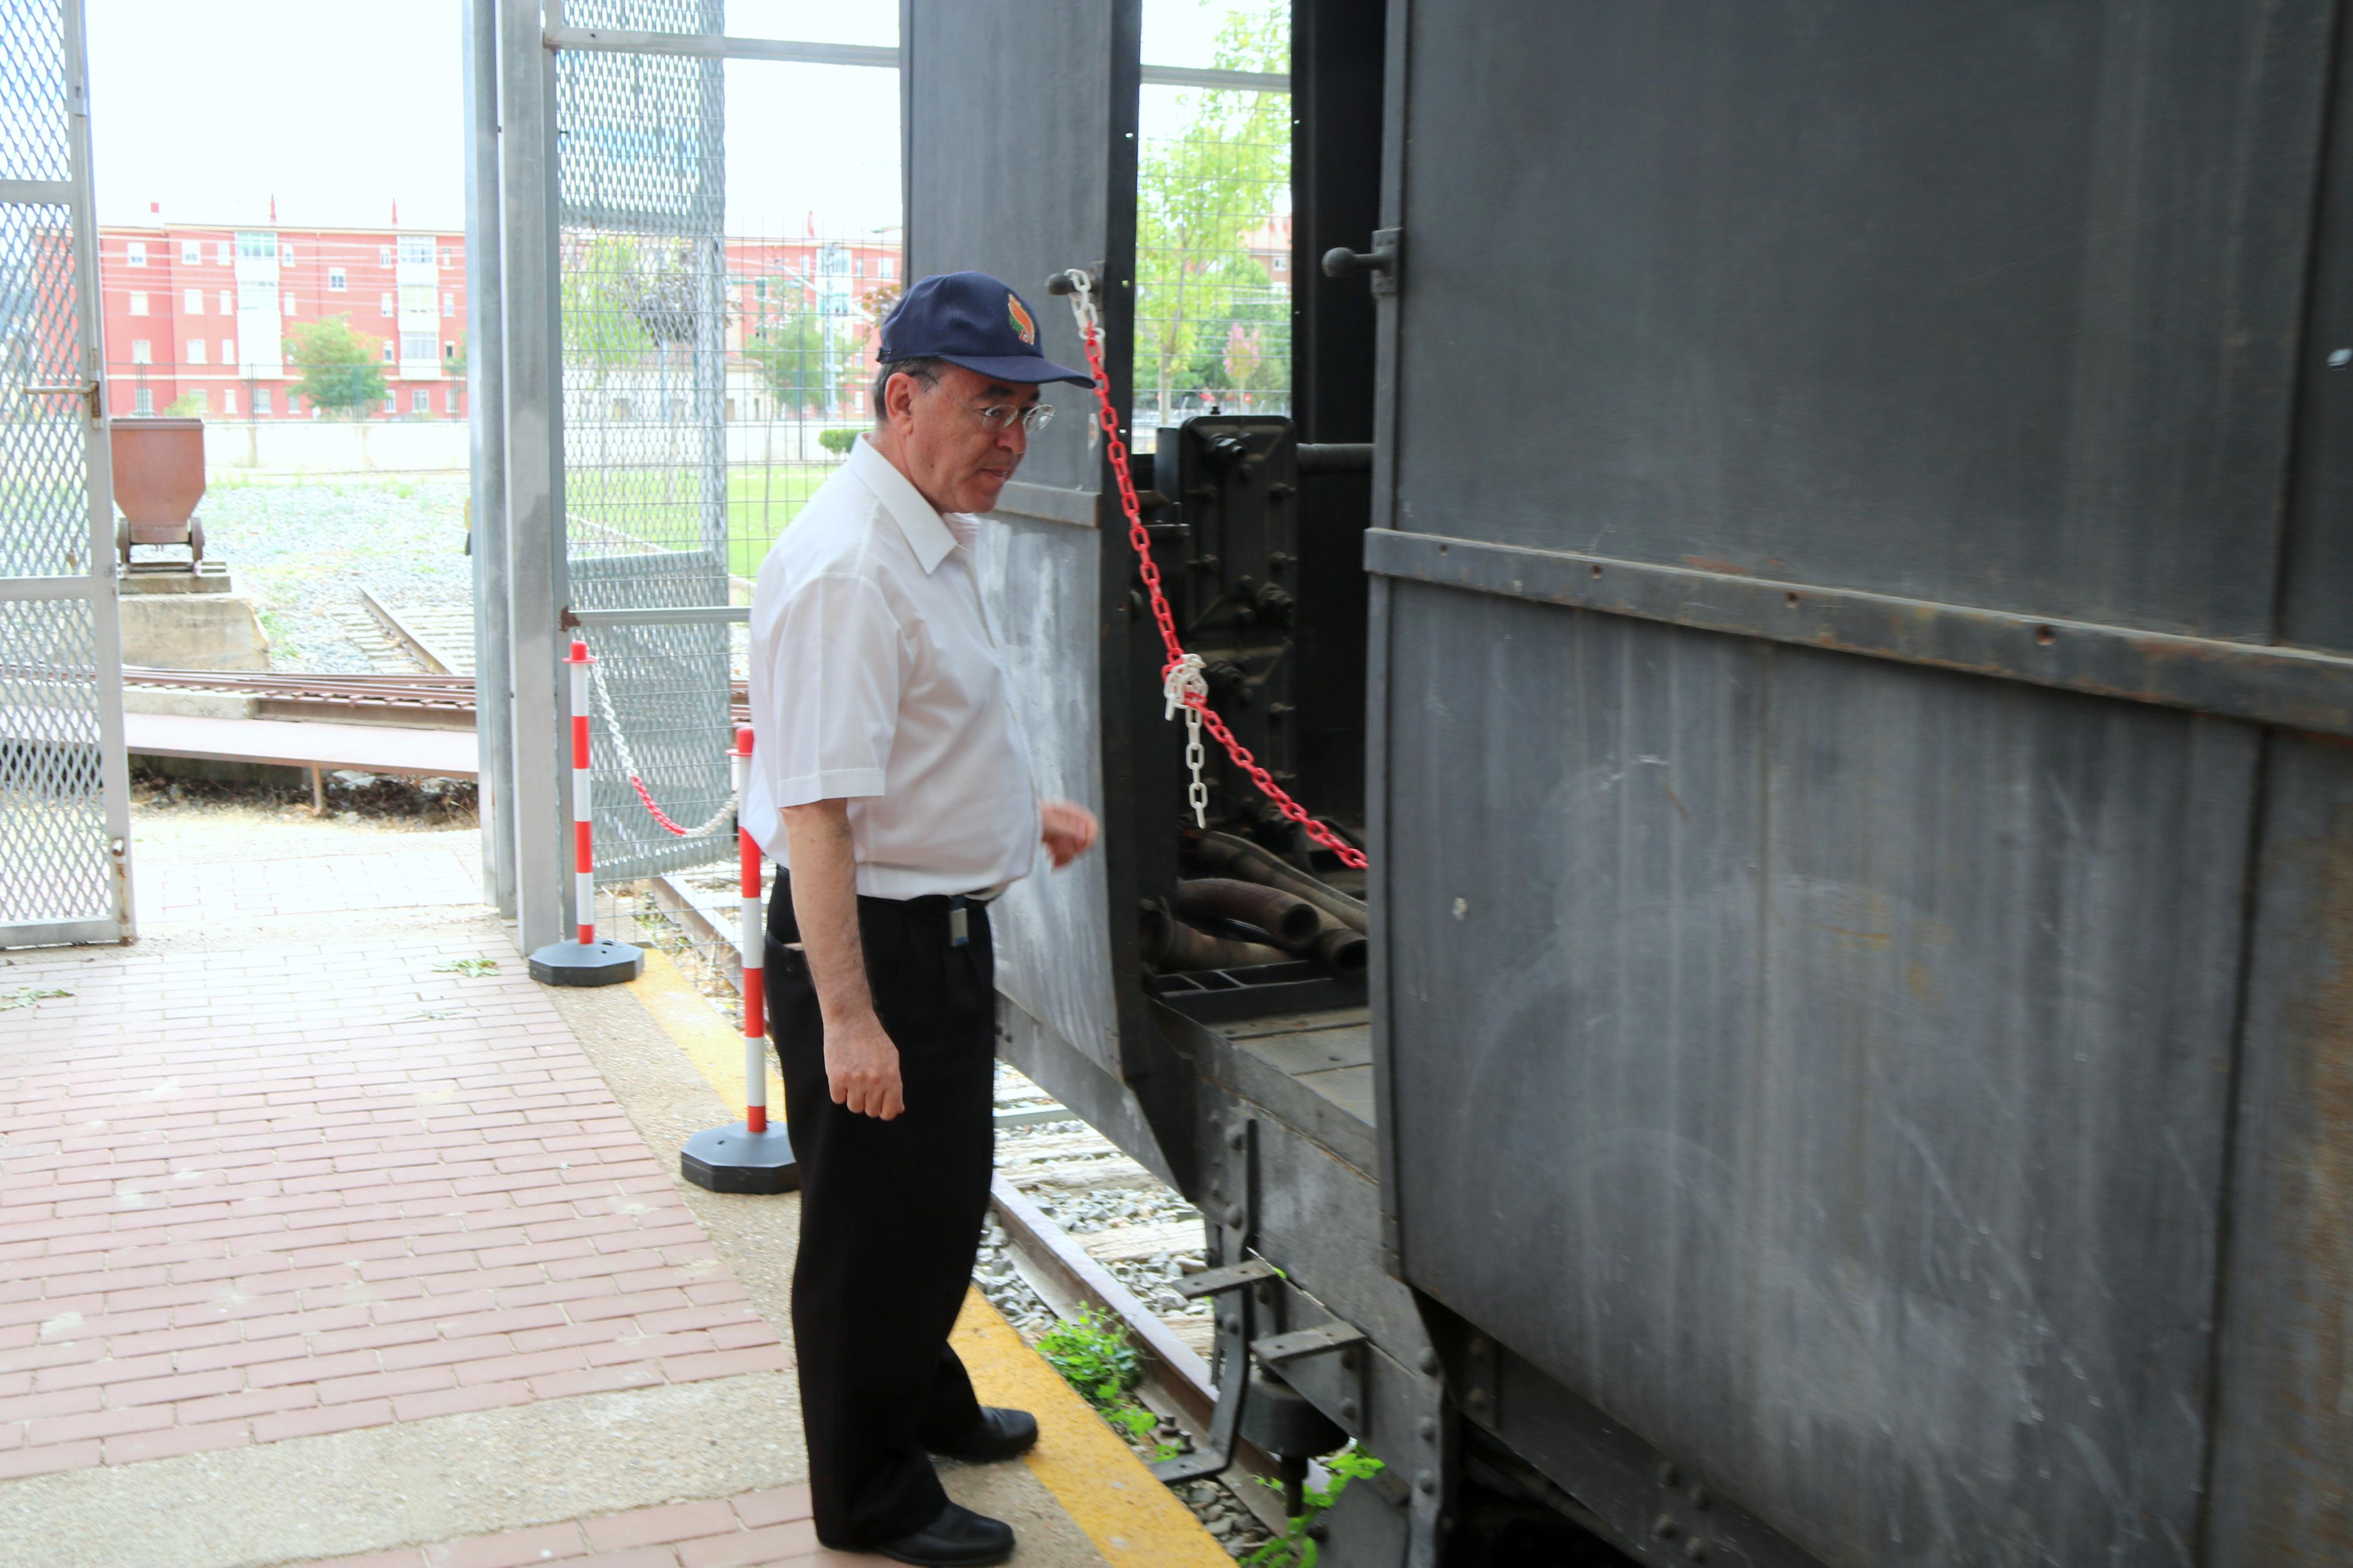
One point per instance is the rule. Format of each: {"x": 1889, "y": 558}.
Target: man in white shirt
{"x": 891, "y": 781}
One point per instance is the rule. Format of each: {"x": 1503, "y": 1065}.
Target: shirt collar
{"x": 928, "y": 535}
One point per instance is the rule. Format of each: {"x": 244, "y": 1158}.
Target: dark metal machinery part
{"x": 1869, "y": 883}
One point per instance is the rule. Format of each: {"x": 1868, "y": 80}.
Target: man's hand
{"x": 861, "y": 1066}
{"x": 1069, "y": 830}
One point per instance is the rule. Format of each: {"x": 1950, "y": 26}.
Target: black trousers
{"x": 890, "y": 1213}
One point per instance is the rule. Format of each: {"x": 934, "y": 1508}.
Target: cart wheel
{"x": 122, "y": 541}
{"x": 195, "y": 542}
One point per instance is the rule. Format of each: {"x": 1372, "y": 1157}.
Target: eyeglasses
{"x": 1032, "y": 417}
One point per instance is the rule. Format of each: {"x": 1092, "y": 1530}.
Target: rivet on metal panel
{"x": 1597, "y": 571}
{"x": 1427, "y": 1362}
{"x": 1478, "y": 1399}
{"x": 1350, "y": 1410}
{"x": 1669, "y": 1476}
{"x": 1233, "y": 1214}
{"x": 2046, "y": 635}
{"x": 1793, "y": 600}
{"x": 1665, "y": 1527}
{"x": 1430, "y": 1428}
{"x": 1702, "y": 1498}
{"x": 1235, "y": 1135}
{"x": 1695, "y": 1549}
{"x": 1426, "y": 1482}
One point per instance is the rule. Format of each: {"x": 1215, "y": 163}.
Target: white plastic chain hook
{"x": 1184, "y": 680}
{"x": 1082, "y": 312}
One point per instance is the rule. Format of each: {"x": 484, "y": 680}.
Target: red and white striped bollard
{"x": 584, "y": 961}
{"x": 755, "y": 1157}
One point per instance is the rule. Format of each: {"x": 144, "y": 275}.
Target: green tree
{"x": 1199, "y": 198}
{"x": 602, "y": 293}
{"x": 187, "y": 405}
{"x": 790, "y": 351}
{"x": 342, "y": 367}
{"x": 456, "y": 364}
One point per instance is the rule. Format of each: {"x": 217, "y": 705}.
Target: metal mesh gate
{"x": 642, "y": 287}
{"x": 64, "y": 818}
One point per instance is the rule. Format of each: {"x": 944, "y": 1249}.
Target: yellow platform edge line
{"x": 1100, "y": 1483}
{"x": 687, "y": 1017}
{"x": 1133, "y": 1519}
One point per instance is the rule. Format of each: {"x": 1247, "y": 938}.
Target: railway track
{"x": 383, "y": 698}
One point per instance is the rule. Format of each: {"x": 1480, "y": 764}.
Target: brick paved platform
{"x": 297, "y": 1188}
{"x": 758, "y": 1530}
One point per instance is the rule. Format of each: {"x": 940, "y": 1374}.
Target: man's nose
{"x": 1014, "y": 437}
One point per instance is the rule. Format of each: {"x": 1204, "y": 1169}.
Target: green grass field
{"x": 662, "y": 506}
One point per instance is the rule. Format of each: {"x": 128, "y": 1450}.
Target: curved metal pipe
{"x": 1233, "y": 857}
{"x": 1291, "y": 921}
{"x": 1346, "y": 952}
{"x": 1170, "y": 945}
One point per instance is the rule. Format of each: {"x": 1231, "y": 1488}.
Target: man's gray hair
{"x": 921, "y": 369}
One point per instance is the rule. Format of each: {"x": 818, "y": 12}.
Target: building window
{"x": 288, "y": 299}
{"x": 446, "y": 260}
{"x": 261, "y": 400}
{"x": 418, "y": 345}
{"x": 198, "y": 398}
{"x": 134, "y": 254}
{"x": 420, "y": 401}
{"x": 194, "y": 354}
{"x": 228, "y": 401}
{"x": 334, "y": 280}
{"x": 192, "y": 253}
{"x": 138, "y": 304}
{"x": 391, "y": 403}
{"x": 384, "y": 256}
{"x": 141, "y": 353}
{"x": 388, "y": 352}
{"x": 450, "y": 401}
{"x": 224, "y": 253}
{"x": 257, "y": 246}
{"x": 384, "y": 304}
{"x": 227, "y": 303}
{"x": 193, "y": 302}
{"x": 142, "y": 400}
{"x": 416, "y": 249}
{"x": 857, "y": 267}
{"x": 286, "y": 253}
{"x": 229, "y": 351}
{"x": 759, "y": 288}
{"x": 449, "y": 304}
{"x": 416, "y": 298}
{"x": 886, "y": 266}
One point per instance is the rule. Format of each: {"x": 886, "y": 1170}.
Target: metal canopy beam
{"x": 717, "y": 46}
{"x": 2272, "y": 684}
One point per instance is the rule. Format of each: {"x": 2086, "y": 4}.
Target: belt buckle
{"x": 959, "y": 922}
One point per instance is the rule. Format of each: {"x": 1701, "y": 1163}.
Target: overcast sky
{"x": 340, "y": 108}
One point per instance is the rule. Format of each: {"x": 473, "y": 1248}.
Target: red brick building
{"x": 208, "y": 312}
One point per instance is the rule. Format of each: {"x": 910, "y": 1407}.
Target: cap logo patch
{"x": 1023, "y": 327}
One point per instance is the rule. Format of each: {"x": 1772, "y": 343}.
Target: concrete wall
{"x": 428, "y": 445}
{"x": 336, "y": 447}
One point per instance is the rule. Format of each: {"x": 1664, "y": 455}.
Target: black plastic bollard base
{"x": 601, "y": 963}
{"x": 731, "y": 1160}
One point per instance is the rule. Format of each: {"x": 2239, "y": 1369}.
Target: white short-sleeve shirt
{"x": 875, "y": 679}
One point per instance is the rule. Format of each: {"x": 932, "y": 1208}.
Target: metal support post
{"x": 534, "y": 471}
{"x": 485, "y": 413}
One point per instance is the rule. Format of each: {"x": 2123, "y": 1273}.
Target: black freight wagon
{"x": 1814, "y": 544}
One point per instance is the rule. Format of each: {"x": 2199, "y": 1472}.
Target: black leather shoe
{"x": 959, "y": 1537}
{"x": 999, "y": 1433}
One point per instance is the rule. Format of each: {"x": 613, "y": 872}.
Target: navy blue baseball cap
{"x": 974, "y": 320}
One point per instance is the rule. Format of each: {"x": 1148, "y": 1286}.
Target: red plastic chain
{"x": 1106, "y": 416}
{"x": 656, "y": 812}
